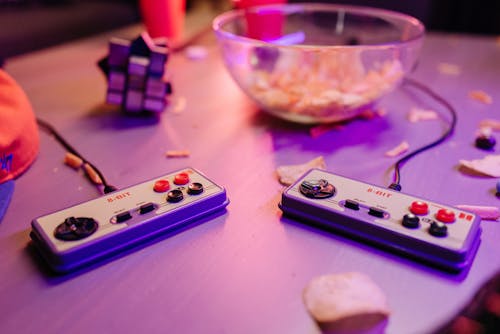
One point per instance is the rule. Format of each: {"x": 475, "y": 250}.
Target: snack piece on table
{"x": 72, "y": 160}
{"x": 449, "y": 69}
{"x": 178, "y": 153}
{"x": 492, "y": 124}
{"x": 485, "y": 212}
{"x": 347, "y": 303}
{"x": 489, "y": 165}
{"x": 418, "y": 114}
{"x": 289, "y": 173}
{"x": 398, "y": 150}
{"x": 481, "y": 96}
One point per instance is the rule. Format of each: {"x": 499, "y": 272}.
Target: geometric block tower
{"x": 135, "y": 72}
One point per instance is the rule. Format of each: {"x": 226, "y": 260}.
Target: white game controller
{"x": 435, "y": 233}
{"x": 87, "y": 232}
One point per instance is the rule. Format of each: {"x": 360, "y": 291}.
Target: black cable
{"x": 50, "y": 129}
{"x": 397, "y": 166}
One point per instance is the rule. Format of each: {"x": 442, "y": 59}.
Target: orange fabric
{"x": 19, "y": 140}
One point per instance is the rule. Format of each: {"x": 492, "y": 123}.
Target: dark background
{"x": 27, "y": 25}
{"x": 476, "y": 16}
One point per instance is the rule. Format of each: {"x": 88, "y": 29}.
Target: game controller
{"x": 435, "y": 233}
{"x": 89, "y": 231}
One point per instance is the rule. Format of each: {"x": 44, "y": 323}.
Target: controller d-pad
{"x": 75, "y": 228}
{"x": 317, "y": 189}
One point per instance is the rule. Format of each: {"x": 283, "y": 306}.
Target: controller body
{"x": 87, "y": 232}
{"x": 434, "y": 233}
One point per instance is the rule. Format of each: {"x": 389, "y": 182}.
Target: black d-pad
{"x": 317, "y": 189}
{"x": 75, "y": 228}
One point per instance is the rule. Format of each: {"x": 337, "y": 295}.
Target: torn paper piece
{"x": 493, "y": 124}
{"x": 418, "y": 114}
{"x": 348, "y": 301}
{"x": 178, "y": 154}
{"x": 480, "y": 96}
{"x": 290, "y": 173}
{"x": 449, "y": 69}
{"x": 398, "y": 150}
{"x": 485, "y": 212}
{"x": 489, "y": 165}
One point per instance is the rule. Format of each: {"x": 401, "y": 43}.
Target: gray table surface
{"x": 244, "y": 271}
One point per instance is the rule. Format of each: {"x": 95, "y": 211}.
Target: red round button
{"x": 445, "y": 216}
{"x": 419, "y": 208}
{"x": 181, "y": 179}
{"x": 161, "y": 186}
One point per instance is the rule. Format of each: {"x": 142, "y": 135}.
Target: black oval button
{"x": 123, "y": 216}
{"x": 145, "y": 208}
{"x": 376, "y": 212}
{"x": 353, "y": 205}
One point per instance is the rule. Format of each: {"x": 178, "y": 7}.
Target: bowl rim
{"x": 385, "y": 14}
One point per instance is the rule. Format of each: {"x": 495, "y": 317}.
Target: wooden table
{"x": 244, "y": 271}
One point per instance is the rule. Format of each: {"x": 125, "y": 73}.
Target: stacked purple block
{"x": 135, "y": 73}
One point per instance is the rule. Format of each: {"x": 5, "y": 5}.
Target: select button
{"x": 350, "y": 204}
{"x": 145, "y": 208}
{"x": 376, "y": 212}
{"x": 123, "y": 216}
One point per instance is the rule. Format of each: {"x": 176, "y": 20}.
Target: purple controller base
{"x": 437, "y": 234}
{"x": 103, "y": 227}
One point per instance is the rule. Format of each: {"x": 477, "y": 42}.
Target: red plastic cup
{"x": 265, "y": 25}
{"x": 164, "y": 18}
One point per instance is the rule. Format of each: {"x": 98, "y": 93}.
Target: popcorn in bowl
{"x": 323, "y": 62}
{"x": 327, "y": 86}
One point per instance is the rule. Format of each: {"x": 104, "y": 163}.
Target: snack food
{"x": 323, "y": 85}
{"x": 417, "y": 114}
{"x": 489, "y": 165}
{"x": 398, "y": 150}
{"x": 92, "y": 174}
{"x": 178, "y": 153}
{"x": 485, "y": 212}
{"x": 289, "y": 173}
{"x": 481, "y": 96}
{"x": 449, "y": 69}
{"x": 72, "y": 160}
{"x": 346, "y": 302}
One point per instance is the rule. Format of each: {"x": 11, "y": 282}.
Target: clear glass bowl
{"x": 317, "y": 63}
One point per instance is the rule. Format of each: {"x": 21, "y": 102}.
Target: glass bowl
{"x": 317, "y": 63}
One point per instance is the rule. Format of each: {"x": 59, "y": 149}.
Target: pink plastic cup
{"x": 266, "y": 25}
{"x": 164, "y": 18}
